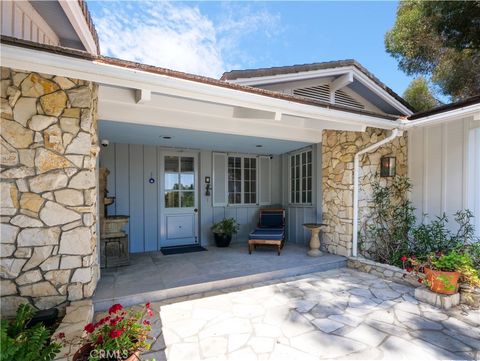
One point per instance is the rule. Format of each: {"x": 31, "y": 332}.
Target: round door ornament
{"x": 151, "y": 180}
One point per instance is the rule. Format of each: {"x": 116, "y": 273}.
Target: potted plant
{"x": 442, "y": 272}
{"x": 122, "y": 335}
{"x": 224, "y": 230}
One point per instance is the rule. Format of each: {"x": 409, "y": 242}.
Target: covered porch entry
{"x": 184, "y": 156}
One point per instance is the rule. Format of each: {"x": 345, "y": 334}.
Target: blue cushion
{"x": 271, "y": 220}
{"x": 267, "y": 234}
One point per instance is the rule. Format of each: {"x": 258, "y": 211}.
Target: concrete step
{"x": 102, "y": 304}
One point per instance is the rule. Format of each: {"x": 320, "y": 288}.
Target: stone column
{"x": 48, "y": 189}
{"x": 338, "y": 150}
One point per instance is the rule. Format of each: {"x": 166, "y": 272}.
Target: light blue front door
{"x": 179, "y": 224}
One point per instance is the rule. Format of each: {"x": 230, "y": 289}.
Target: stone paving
{"x": 338, "y": 314}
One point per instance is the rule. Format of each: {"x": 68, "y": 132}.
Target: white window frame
{"x": 291, "y": 201}
{"x": 242, "y": 191}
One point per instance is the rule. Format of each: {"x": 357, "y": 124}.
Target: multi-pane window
{"x": 301, "y": 177}
{"x": 179, "y": 182}
{"x": 242, "y": 180}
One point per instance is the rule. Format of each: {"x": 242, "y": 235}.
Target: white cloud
{"x": 178, "y": 36}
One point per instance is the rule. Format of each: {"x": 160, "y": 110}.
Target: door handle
{"x": 196, "y": 210}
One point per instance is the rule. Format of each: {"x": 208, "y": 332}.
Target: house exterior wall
{"x": 443, "y": 169}
{"x": 131, "y": 165}
{"x": 299, "y": 214}
{"x": 22, "y": 21}
{"x": 48, "y": 189}
{"x": 338, "y": 151}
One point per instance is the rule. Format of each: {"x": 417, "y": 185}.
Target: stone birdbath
{"x": 314, "y": 244}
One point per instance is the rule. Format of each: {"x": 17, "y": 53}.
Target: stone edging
{"x": 77, "y": 315}
{"x": 382, "y": 270}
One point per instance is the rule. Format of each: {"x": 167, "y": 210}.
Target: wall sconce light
{"x": 388, "y": 166}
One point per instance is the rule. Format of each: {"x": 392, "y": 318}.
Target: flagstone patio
{"x": 336, "y": 314}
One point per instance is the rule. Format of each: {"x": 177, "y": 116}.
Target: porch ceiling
{"x": 143, "y": 107}
{"x": 120, "y": 132}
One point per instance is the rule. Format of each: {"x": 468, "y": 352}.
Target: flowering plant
{"x": 449, "y": 262}
{"x": 120, "y": 334}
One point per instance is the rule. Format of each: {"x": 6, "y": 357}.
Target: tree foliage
{"x": 440, "y": 39}
{"x": 418, "y": 95}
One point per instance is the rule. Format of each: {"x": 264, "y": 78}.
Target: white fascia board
{"x": 49, "y": 63}
{"x": 471, "y": 110}
{"x": 281, "y": 78}
{"x": 75, "y": 15}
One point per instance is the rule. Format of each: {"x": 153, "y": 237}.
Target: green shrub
{"x": 389, "y": 232}
{"x": 385, "y": 234}
{"x": 26, "y": 344}
{"x": 228, "y": 226}
{"x": 437, "y": 237}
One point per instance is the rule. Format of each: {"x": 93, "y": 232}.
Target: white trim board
{"x": 44, "y": 62}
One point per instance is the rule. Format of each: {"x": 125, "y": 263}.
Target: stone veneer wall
{"x": 338, "y": 150}
{"x": 48, "y": 189}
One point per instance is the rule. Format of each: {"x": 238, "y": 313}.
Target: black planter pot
{"x": 222, "y": 240}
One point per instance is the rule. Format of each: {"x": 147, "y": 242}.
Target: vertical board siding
{"x": 297, "y": 215}
{"x": 437, "y": 159}
{"x": 434, "y": 175}
{"x": 131, "y": 167}
{"x": 22, "y": 21}
{"x": 150, "y": 207}
{"x": 136, "y": 210}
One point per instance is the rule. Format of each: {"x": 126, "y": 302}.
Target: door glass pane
{"x": 187, "y": 181}
{"x": 171, "y": 181}
{"x": 187, "y": 199}
{"x": 187, "y": 164}
{"x": 171, "y": 199}
{"x": 171, "y": 164}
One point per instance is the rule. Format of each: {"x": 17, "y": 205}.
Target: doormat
{"x": 181, "y": 249}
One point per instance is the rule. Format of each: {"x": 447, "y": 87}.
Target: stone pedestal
{"x": 314, "y": 244}
{"x": 436, "y": 299}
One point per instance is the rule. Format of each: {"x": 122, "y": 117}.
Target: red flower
{"x": 99, "y": 339}
{"x": 115, "y": 333}
{"x": 115, "y": 308}
{"x": 147, "y": 305}
{"x": 146, "y": 322}
{"x": 150, "y": 312}
{"x": 115, "y": 320}
{"x": 403, "y": 259}
{"x": 61, "y": 335}
{"x": 420, "y": 280}
{"x": 89, "y": 328}
{"x": 409, "y": 269}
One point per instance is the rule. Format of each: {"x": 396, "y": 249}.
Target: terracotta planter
{"x": 442, "y": 282}
{"x": 84, "y": 352}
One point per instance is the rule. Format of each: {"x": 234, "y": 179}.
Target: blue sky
{"x": 208, "y": 38}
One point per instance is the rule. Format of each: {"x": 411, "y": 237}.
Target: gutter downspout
{"x": 356, "y": 160}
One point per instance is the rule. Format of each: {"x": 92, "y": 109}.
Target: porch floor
{"x": 154, "y": 277}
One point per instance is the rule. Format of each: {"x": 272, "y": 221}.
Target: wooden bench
{"x": 269, "y": 242}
